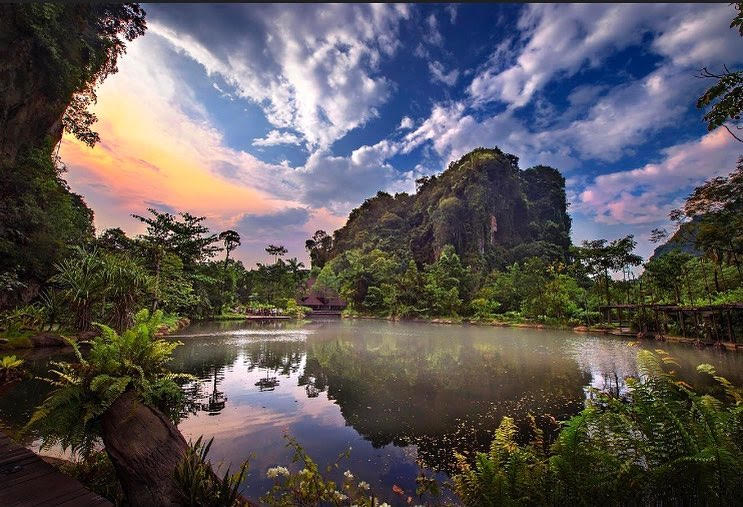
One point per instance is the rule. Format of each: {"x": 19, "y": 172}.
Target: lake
{"x": 401, "y": 395}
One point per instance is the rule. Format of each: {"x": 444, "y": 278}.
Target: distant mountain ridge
{"x": 491, "y": 211}
{"x": 684, "y": 239}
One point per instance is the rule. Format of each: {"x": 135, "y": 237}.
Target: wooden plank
{"x": 36, "y": 482}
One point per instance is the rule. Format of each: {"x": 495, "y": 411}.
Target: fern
{"x": 84, "y": 390}
{"x": 664, "y": 445}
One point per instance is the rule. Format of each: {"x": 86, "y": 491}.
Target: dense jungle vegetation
{"x": 484, "y": 240}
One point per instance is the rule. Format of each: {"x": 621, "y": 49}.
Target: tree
{"x": 61, "y": 52}
{"x": 186, "y": 237}
{"x": 600, "y": 257}
{"x": 83, "y": 283}
{"x": 725, "y": 98}
{"x": 718, "y": 205}
{"x": 319, "y": 246}
{"x": 115, "y": 240}
{"x": 123, "y": 394}
{"x": 444, "y": 283}
{"x": 276, "y": 251}
{"x": 231, "y": 240}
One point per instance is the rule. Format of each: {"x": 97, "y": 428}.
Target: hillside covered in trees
{"x": 489, "y": 210}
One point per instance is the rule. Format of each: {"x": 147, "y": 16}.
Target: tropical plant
{"x": 661, "y": 444}
{"x": 127, "y": 283}
{"x": 10, "y": 368}
{"x": 201, "y": 486}
{"x": 82, "y": 282}
{"x": 308, "y": 486}
{"x": 83, "y": 391}
{"x": 508, "y": 474}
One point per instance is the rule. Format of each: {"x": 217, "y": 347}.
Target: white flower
{"x": 274, "y": 472}
{"x": 304, "y": 472}
{"x": 364, "y": 485}
{"x": 339, "y": 496}
{"x": 348, "y": 475}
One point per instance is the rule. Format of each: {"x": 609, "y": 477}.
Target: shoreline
{"x": 730, "y": 346}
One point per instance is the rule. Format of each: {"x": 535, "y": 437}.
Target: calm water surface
{"x": 399, "y": 395}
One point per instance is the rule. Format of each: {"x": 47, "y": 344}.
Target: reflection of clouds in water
{"x": 608, "y": 361}
{"x": 268, "y": 334}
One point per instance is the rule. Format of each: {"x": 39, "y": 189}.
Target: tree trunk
{"x": 158, "y": 263}
{"x": 606, "y": 279}
{"x": 145, "y": 448}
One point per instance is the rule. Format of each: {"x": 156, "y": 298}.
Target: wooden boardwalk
{"x": 26, "y": 479}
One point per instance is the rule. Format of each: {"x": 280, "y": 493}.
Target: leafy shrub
{"x": 309, "y": 487}
{"x": 200, "y": 486}
{"x": 295, "y": 310}
{"x": 663, "y": 444}
{"x": 71, "y": 415}
{"x": 507, "y": 474}
{"x": 11, "y": 368}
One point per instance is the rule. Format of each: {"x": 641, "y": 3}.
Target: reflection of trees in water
{"x": 440, "y": 394}
{"x": 281, "y": 357}
{"x": 207, "y": 360}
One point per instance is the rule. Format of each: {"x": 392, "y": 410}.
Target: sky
{"x": 277, "y": 120}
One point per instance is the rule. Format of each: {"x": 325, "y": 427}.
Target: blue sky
{"x": 277, "y": 120}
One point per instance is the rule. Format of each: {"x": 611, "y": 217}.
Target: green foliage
{"x": 11, "y": 368}
{"x": 444, "y": 282}
{"x": 308, "y": 486}
{"x": 508, "y": 474}
{"x": 662, "y": 444}
{"x": 102, "y": 285}
{"x": 295, "y": 310}
{"x": 84, "y": 390}
{"x": 319, "y": 246}
{"x": 480, "y": 204}
{"x": 200, "y": 486}
{"x": 39, "y": 214}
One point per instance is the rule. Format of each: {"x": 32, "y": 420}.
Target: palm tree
{"x": 81, "y": 277}
{"x": 231, "y": 241}
{"x": 277, "y": 251}
{"x": 295, "y": 266}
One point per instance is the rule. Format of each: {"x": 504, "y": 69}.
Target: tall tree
{"x": 319, "y": 246}
{"x": 231, "y": 240}
{"x": 718, "y": 205}
{"x": 186, "y": 237}
{"x": 277, "y": 251}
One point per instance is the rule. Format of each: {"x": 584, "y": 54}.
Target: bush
{"x": 663, "y": 444}
{"x": 71, "y": 415}
{"x": 11, "y": 368}
{"x": 200, "y": 486}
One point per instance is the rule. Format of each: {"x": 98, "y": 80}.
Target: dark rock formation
{"x": 47, "y": 340}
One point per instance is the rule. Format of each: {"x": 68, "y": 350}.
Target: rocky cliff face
{"x": 29, "y": 109}
{"x": 483, "y": 205}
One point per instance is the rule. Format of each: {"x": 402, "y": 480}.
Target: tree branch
{"x": 731, "y": 133}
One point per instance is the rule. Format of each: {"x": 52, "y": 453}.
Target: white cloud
{"x": 452, "y": 10}
{"x": 275, "y": 137}
{"x": 313, "y": 69}
{"x": 560, "y": 39}
{"x": 646, "y": 195}
{"x": 432, "y": 35}
{"x": 438, "y": 74}
{"x": 341, "y": 183}
{"x": 406, "y": 123}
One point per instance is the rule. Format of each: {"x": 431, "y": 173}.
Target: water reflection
{"x": 399, "y": 394}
